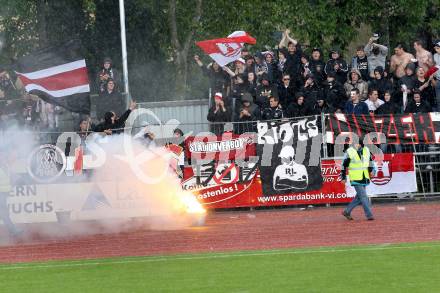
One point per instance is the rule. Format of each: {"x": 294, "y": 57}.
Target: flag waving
{"x": 226, "y": 50}
{"x": 57, "y": 75}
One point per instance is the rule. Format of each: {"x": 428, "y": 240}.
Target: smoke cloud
{"x": 137, "y": 190}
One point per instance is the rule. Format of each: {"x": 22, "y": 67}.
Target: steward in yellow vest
{"x": 358, "y": 162}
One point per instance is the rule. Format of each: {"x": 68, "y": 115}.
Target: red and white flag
{"x": 395, "y": 174}
{"x": 226, "y": 50}
{"x": 58, "y": 75}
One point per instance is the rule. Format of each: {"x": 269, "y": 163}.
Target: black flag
{"x": 289, "y": 154}
{"x": 57, "y": 75}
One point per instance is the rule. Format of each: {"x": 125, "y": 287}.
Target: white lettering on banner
{"x": 219, "y": 146}
{"x": 303, "y": 197}
{"x": 220, "y": 191}
{"x": 304, "y": 129}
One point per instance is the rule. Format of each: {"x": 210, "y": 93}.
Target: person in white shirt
{"x": 373, "y": 102}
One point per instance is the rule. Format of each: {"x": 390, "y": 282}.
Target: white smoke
{"x": 162, "y": 205}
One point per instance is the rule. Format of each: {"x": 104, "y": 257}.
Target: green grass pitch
{"x": 373, "y": 268}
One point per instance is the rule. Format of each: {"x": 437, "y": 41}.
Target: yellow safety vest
{"x": 5, "y": 180}
{"x": 358, "y": 168}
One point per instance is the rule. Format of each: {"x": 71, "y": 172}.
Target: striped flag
{"x": 58, "y": 75}
{"x": 226, "y": 50}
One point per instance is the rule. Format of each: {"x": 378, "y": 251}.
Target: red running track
{"x": 246, "y": 230}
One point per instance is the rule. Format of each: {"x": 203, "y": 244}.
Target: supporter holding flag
{"x": 240, "y": 66}
{"x": 337, "y": 65}
{"x": 218, "y": 78}
{"x": 226, "y": 50}
{"x": 57, "y": 75}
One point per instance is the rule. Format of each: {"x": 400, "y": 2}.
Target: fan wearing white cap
{"x": 218, "y": 114}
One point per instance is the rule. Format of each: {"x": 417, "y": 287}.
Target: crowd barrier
{"x": 220, "y": 181}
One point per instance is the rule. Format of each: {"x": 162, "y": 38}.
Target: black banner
{"x": 289, "y": 153}
{"x": 397, "y": 128}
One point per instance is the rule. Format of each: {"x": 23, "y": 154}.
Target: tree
{"x": 181, "y": 42}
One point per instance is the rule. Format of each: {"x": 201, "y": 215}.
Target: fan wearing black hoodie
{"x": 417, "y": 105}
{"x": 247, "y": 112}
{"x": 299, "y": 108}
{"x": 286, "y": 91}
{"x": 317, "y": 66}
{"x": 321, "y": 106}
{"x": 264, "y": 91}
{"x": 112, "y": 123}
{"x": 334, "y": 92}
{"x": 337, "y": 65}
{"x": 389, "y": 107}
{"x": 380, "y": 83}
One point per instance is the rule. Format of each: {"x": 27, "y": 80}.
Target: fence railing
{"x": 190, "y": 116}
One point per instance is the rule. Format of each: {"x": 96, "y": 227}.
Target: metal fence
{"x": 190, "y": 116}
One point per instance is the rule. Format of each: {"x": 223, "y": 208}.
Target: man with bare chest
{"x": 424, "y": 57}
{"x": 399, "y": 61}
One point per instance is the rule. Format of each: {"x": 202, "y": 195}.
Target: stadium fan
{"x": 219, "y": 114}
{"x": 113, "y": 124}
{"x": 274, "y": 111}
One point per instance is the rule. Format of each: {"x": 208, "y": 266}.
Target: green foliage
{"x": 18, "y": 28}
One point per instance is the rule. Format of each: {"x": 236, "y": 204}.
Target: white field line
{"x": 134, "y": 260}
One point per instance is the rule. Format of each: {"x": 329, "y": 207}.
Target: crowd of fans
{"x": 285, "y": 83}
{"x": 290, "y": 82}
